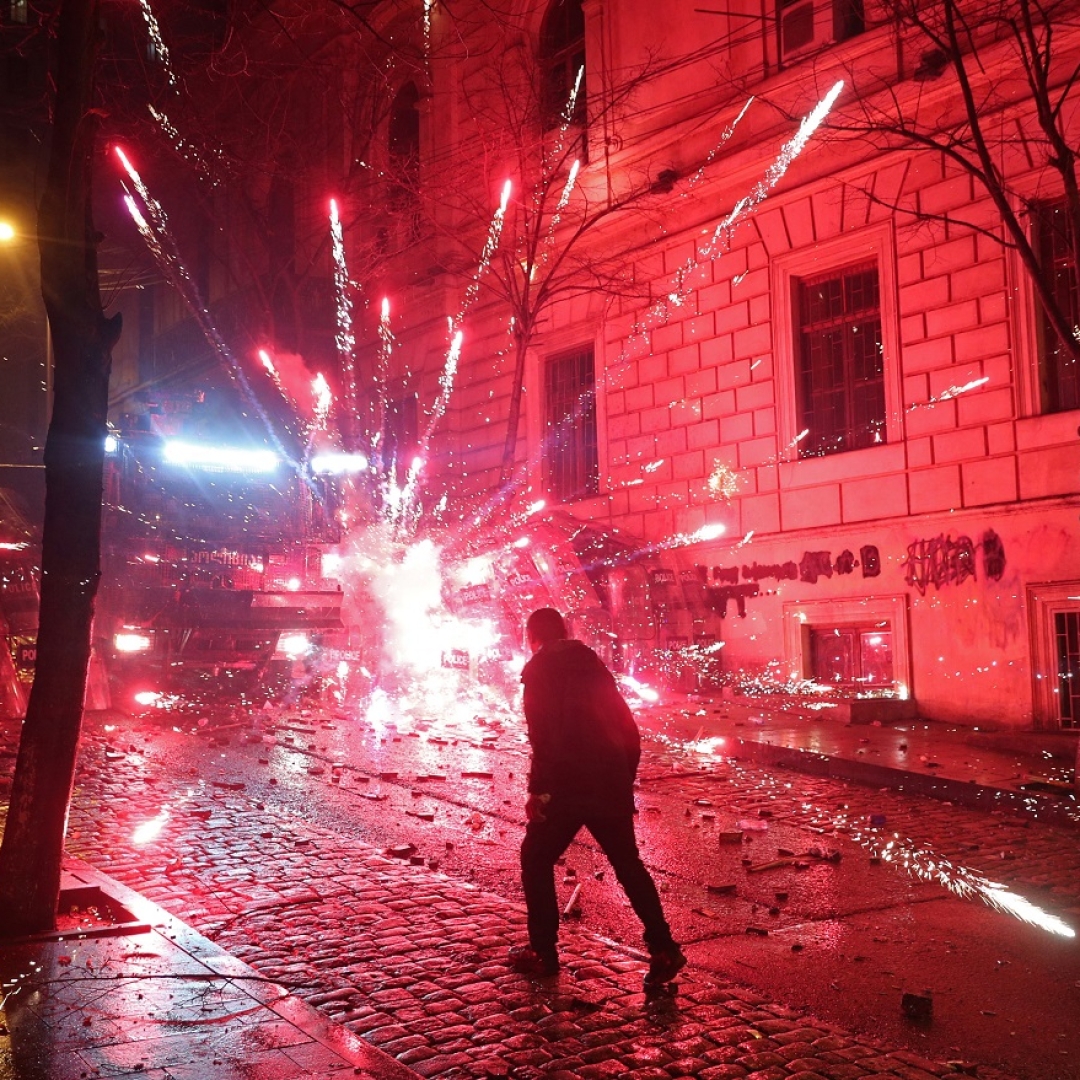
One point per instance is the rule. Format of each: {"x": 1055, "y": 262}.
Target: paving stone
{"x": 722, "y": 1072}
{"x": 440, "y": 1065}
{"x": 842, "y": 1072}
{"x": 917, "y": 1062}
{"x": 759, "y": 1062}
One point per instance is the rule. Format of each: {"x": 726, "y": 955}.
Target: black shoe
{"x": 664, "y": 965}
{"x": 525, "y": 960}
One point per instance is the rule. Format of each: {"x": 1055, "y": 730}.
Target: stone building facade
{"x": 852, "y": 378}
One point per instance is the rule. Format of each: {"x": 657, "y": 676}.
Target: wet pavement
{"x": 125, "y": 989}
{"x": 1027, "y": 772}
{"x": 399, "y": 956}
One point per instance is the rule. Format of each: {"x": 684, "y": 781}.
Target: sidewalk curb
{"x": 1044, "y": 808}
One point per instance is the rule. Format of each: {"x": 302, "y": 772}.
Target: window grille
{"x": 1067, "y": 644}
{"x": 1059, "y": 373}
{"x": 570, "y": 444}
{"x": 403, "y": 144}
{"x": 852, "y": 657}
{"x": 841, "y": 376}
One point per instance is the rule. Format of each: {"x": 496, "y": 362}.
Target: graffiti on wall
{"x": 717, "y": 597}
{"x": 993, "y": 555}
{"x": 722, "y": 583}
{"x": 938, "y": 561}
{"x": 942, "y": 560}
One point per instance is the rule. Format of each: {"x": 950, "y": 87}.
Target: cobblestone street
{"x": 387, "y": 935}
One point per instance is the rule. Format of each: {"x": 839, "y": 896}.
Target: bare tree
{"x": 995, "y": 91}
{"x": 567, "y": 201}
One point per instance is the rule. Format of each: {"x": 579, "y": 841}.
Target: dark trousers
{"x": 544, "y": 843}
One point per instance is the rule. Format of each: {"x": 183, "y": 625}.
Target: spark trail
{"x": 158, "y": 42}
{"x": 494, "y": 234}
{"x": 275, "y": 377}
{"x": 712, "y": 248}
{"x": 153, "y": 227}
{"x": 344, "y": 338}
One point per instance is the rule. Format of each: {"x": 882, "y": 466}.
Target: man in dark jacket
{"x": 585, "y": 752}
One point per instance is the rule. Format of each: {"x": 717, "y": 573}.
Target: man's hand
{"x": 534, "y": 807}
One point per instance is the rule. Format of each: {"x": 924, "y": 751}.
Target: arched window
{"x": 403, "y": 143}
{"x": 561, "y": 56}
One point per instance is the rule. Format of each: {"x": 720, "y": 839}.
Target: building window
{"x": 852, "y": 657}
{"x": 403, "y": 144}
{"x": 840, "y": 362}
{"x": 1059, "y": 373}
{"x": 18, "y": 12}
{"x": 561, "y": 57}
{"x": 804, "y": 26}
{"x": 570, "y": 454}
{"x": 1067, "y": 648}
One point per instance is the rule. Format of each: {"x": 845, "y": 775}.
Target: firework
{"x": 158, "y": 42}
{"x": 713, "y": 247}
{"x": 490, "y": 244}
{"x": 344, "y": 340}
{"x": 153, "y": 227}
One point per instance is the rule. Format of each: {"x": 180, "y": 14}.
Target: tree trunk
{"x": 507, "y": 480}
{"x": 82, "y": 338}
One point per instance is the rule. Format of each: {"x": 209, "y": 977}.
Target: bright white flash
{"x": 320, "y": 390}
{"x": 227, "y": 458}
{"x": 294, "y": 645}
{"x": 338, "y": 464}
{"x": 709, "y": 532}
{"x": 149, "y": 830}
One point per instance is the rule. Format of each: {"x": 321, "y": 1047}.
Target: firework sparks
{"x": 429, "y": 9}
{"x": 158, "y": 42}
{"x": 150, "y": 830}
{"x": 723, "y": 481}
{"x": 320, "y": 390}
{"x": 271, "y": 369}
{"x": 952, "y": 392}
{"x": 153, "y": 227}
{"x": 184, "y": 147}
{"x": 555, "y": 155}
{"x": 963, "y": 882}
{"x": 568, "y": 187}
{"x": 725, "y": 135}
{"x": 344, "y": 339}
{"x": 490, "y": 244}
{"x": 156, "y": 211}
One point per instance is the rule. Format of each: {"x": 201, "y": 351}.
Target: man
{"x": 585, "y": 752}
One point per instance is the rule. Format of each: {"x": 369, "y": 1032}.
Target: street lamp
{"x": 7, "y": 232}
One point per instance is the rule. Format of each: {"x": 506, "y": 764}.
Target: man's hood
{"x": 566, "y": 655}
